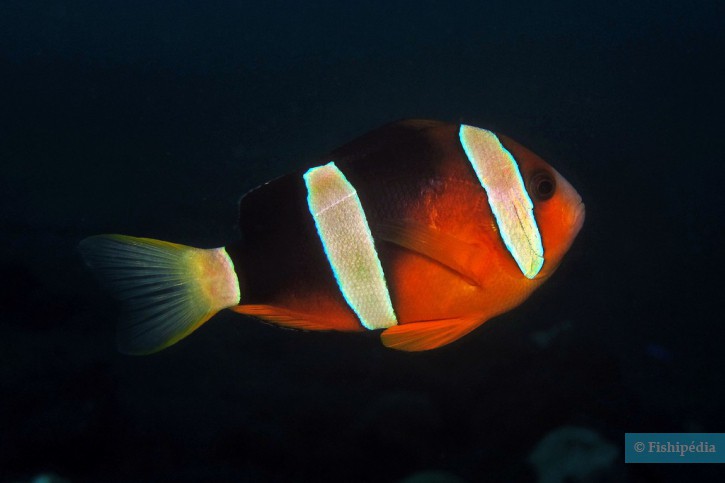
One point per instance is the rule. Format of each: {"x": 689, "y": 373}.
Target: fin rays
{"x": 426, "y": 335}
{"x": 168, "y": 290}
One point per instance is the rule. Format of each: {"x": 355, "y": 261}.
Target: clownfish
{"x": 420, "y": 228}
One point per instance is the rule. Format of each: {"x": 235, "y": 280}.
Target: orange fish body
{"x": 422, "y": 228}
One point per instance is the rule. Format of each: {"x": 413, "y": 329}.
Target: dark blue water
{"x": 152, "y": 118}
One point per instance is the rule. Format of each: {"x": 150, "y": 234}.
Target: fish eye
{"x": 542, "y": 186}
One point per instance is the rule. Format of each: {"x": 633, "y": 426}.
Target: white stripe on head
{"x": 499, "y": 175}
{"x": 349, "y": 246}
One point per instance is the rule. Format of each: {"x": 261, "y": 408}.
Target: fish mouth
{"x": 579, "y": 215}
{"x": 576, "y": 221}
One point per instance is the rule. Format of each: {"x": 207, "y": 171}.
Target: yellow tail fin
{"x": 169, "y": 290}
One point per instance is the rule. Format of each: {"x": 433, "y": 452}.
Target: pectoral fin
{"x": 449, "y": 251}
{"x": 423, "y": 336}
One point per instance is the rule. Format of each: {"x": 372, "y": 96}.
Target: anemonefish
{"x": 420, "y": 228}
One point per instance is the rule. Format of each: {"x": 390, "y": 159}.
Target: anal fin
{"x": 423, "y": 336}
{"x": 285, "y": 317}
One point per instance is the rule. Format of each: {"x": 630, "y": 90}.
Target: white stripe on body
{"x": 349, "y": 246}
{"x": 510, "y": 203}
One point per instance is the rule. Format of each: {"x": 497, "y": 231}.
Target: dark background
{"x": 152, "y": 118}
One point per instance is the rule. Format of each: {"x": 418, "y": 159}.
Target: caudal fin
{"x": 169, "y": 290}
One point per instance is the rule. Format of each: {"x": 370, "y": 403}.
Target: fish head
{"x": 558, "y": 208}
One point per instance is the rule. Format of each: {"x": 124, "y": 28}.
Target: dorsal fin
{"x": 384, "y": 137}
